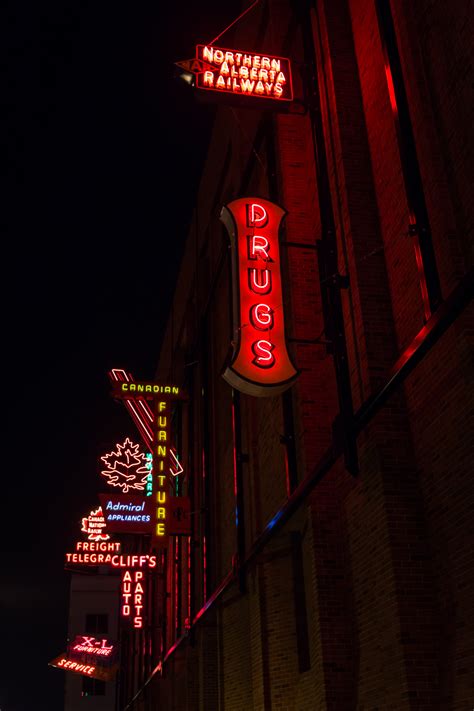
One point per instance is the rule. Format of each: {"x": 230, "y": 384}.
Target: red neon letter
{"x": 257, "y": 216}
{"x": 260, "y": 281}
{"x": 258, "y": 246}
{"x": 261, "y": 317}
{"x": 262, "y": 351}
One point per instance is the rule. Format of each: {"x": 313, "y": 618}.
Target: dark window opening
{"x": 97, "y": 623}
{"x": 92, "y": 687}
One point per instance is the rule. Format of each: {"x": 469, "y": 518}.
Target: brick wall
{"x": 379, "y": 616}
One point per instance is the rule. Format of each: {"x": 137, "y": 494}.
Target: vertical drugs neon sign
{"x": 260, "y": 363}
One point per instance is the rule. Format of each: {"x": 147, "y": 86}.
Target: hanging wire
{"x": 244, "y": 132}
{"x": 233, "y": 23}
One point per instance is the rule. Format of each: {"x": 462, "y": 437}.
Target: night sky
{"x": 103, "y": 147}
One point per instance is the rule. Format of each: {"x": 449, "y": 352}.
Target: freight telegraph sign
{"x": 260, "y": 364}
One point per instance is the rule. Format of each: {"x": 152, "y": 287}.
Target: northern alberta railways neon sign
{"x": 260, "y": 364}
{"x": 242, "y": 73}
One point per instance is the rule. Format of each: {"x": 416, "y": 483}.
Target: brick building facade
{"x": 330, "y": 564}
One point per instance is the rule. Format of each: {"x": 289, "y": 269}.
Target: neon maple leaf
{"x": 126, "y": 467}
{"x": 93, "y": 525}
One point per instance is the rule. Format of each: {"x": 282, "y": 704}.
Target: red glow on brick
{"x": 204, "y": 565}
{"x": 422, "y": 277}
{"x": 234, "y": 449}
{"x": 176, "y": 583}
{"x": 188, "y": 612}
{"x": 391, "y": 90}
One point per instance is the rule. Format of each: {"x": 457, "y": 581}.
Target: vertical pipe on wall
{"x": 205, "y": 453}
{"x": 288, "y": 438}
{"x": 238, "y": 485}
{"x": 331, "y": 282}
{"x": 419, "y": 225}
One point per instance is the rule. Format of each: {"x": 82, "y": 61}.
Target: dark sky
{"x": 103, "y": 148}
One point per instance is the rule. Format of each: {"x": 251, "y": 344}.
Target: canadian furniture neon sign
{"x": 153, "y": 423}
{"x": 244, "y": 73}
{"x": 130, "y": 390}
{"x": 260, "y": 363}
{"x": 161, "y": 486}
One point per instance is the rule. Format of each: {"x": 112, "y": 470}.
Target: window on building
{"x": 92, "y": 687}
{"x": 97, "y": 623}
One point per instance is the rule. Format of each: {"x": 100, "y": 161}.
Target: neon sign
{"x": 138, "y": 408}
{"x": 260, "y": 364}
{"x": 133, "y": 561}
{"x": 149, "y": 478}
{"x": 127, "y": 514}
{"x": 133, "y": 596}
{"x": 131, "y": 389}
{"x": 63, "y": 661}
{"x": 91, "y": 645}
{"x": 244, "y": 73}
{"x": 84, "y": 669}
{"x": 135, "y": 396}
{"x": 153, "y": 425}
{"x": 93, "y": 525}
{"x": 126, "y": 467}
{"x": 93, "y": 553}
{"x": 176, "y": 467}
{"x": 160, "y": 456}
{"x": 108, "y": 556}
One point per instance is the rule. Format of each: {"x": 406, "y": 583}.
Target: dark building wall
{"x": 363, "y": 599}
{"x": 93, "y": 598}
